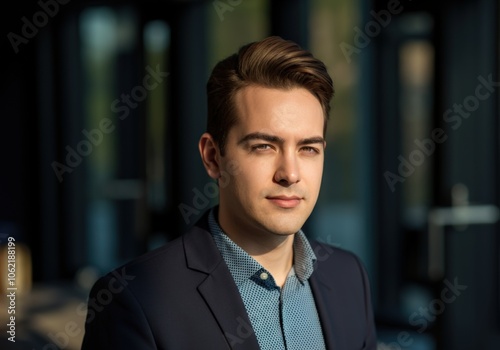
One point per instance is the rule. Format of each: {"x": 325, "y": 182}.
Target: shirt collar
{"x": 243, "y": 267}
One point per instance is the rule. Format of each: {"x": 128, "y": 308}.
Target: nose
{"x": 287, "y": 172}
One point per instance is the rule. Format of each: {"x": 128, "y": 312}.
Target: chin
{"x": 284, "y": 230}
{"x": 288, "y": 224}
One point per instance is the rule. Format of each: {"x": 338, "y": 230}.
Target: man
{"x": 245, "y": 276}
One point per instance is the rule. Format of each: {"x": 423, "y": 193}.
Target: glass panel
{"x": 156, "y": 46}
{"x": 331, "y": 24}
{"x": 233, "y": 26}
{"x": 416, "y": 75}
{"x": 338, "y": 217}
{"x": 108, "y": 35}
{"x": 99, "y": 34}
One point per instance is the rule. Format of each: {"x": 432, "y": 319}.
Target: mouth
{"x": 286, "y": 202}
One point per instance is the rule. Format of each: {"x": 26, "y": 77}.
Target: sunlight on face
{"x": 278, "y": 146}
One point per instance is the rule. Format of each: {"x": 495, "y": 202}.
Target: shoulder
{"x": 327, "y": 254}
{"x": 169, "y": 253}
{"x": 338, "y": 263}
{"x": 168, "y": 262}
{"x": 140, "y": 271}
{"x": 172, "y": 254}
{"x": 340, "y": 278}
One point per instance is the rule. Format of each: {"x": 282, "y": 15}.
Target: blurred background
{"x": 102, "y": 104}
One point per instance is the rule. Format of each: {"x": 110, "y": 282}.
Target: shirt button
{"x": 264, "y": 276}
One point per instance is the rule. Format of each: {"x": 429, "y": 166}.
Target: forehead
{"x": 262, "y": 109}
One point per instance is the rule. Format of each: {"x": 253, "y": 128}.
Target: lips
{"x": 285, "y": 201}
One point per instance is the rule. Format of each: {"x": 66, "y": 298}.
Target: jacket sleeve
{"x": 115, "y": 319}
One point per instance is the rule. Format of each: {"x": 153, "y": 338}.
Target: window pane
{"x": 338, "y": 218}
{"x": 233, "y": 26}
{"x": 416, "y": 72}
{"x": 99, "y": 33}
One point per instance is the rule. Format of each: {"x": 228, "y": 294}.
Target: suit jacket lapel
{"x": 328, "y": 305}
{"x": 219, "y": 290}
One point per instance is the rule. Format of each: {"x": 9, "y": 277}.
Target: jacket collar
{"x": 218, "y": 289}
{"x": 226, "y": 304}
{"x": 323, "y": 290}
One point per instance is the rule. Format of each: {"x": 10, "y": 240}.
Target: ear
{"x": 210, "y": 155}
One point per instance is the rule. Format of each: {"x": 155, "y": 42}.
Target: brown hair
{"x": 273, "y": 63}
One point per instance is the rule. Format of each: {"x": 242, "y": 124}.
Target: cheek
{"x": 247, "y": 185}
{"x": 258, "y": 170}
{"x": 315, "y": 174}
{"x": 240, "y": 182}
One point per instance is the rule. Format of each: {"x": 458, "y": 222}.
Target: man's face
{"x": 277, "y": 146}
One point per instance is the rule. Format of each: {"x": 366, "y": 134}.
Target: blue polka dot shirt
{"x": 282, "y": 318}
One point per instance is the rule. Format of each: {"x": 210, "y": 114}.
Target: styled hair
{"x": 273, "y": 63}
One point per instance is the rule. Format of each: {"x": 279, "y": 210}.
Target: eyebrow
{"x": 277, "y": 139}
{"x": 312, "y": 140}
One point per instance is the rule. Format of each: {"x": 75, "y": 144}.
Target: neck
{"x": 273, "y": 251}
{"x": 276, "y": 257}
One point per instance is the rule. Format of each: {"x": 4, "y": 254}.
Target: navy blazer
{"x": 182, "y": 296}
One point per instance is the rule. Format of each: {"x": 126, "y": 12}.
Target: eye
{"x": 310, "y": 150}
{"x": 261, "y": 147}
